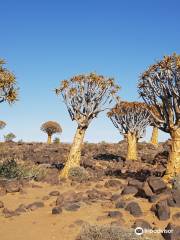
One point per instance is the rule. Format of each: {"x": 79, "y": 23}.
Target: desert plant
{"x": 8, "y": 85}
{"x": 113, "y": 232}
{"x": 154, "y": 136}
{"x": 131, "y": 119}
{"x": 10, "y": 169}
{"x": 78, "y": 174}
{"x": 85, "y": 97}
{"x": 51, "y": 128}
{"x": 9, "y": 137}
{"x": 159, "y": 86}
{"x": 56, "y": 140}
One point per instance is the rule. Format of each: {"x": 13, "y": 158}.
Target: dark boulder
{"x": 141, "y": 223}
{"x": 162, "y": 210}
{"x": 129, "y": 190}
{"x": 134, "y": 209}
{"x": 172, "y": 232}
{"x": 56, "y": 210}
{"x": 157, "y": 185}
{"x": 35, "y": 205}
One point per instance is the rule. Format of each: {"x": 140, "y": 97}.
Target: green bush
{"x": 10, "y": 169}
{"x": 56, "y": 140}
{"x": 9, "y": 137}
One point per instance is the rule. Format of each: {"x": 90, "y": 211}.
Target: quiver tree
{"x": 154, "y": 124}
{"x": 159, "y": 86}
{"x": 85, "y": 97}
{"x": 154, "y": 136}
{"x": 8, "y": 88}
{"x": 51, "y": 128}
{"x": 131, "y": 119}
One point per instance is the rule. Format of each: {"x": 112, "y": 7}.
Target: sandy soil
{"x": 42, "y": 225}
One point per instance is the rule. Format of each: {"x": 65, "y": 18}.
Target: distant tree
{"x": 159, "y": 86}
{"x": 9, "y": 137}
{"x": 85, "y": 97}
{"x": 56, "y": 140}
{"x": 8, "y": 88}
{"x": 131, "y": 119}
{"x": 51, "y": 128}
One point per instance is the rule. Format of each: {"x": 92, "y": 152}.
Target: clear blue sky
{"x": 47, "y": 41}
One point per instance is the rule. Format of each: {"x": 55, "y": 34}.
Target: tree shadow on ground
{"x": 109, "y": 157}
{"x": 140, "y": 175}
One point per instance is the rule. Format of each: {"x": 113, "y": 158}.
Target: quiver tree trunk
{"x": 75, "y": 152}
{"x": 132, "y": 146}
{"x": 154, "y": 137}
{"x": 173, "y": 165}
{"x": 49, "y": 139}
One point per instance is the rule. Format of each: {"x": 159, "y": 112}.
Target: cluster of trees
{"x": 88, "y": 95}
{"x": 159, "y": 86}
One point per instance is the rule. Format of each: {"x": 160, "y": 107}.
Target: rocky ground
{"x": 105, "y": 191}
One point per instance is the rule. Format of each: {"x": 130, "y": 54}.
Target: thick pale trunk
{"x": 75, "y": 152}
{"x": 173, "y": 165}
{"x": 132, "y": 146}
{"x": 154, "y": 137}
{"x": 49, "y": 139}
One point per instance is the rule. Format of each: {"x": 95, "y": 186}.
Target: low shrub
{"x": 78, "y": 174}
{"x": 11, "y": 169}
{"x": 56, "y": 140}
{"x": 110, "y": 232}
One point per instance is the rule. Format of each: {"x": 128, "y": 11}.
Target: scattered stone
{"x": 56, "y": 210}
{"x": 35, "y": 205}
{"x": 21, "y": 209}
{"x": 9, "y": 213}
{"x": 115, "y": 196}
{"x": 176, "y": 217}
{"x": 72, "y": 207}
{"x": 172, "y": 232}
{"x": 156, "y": 184}
{"x": 134, "y": 209}
{"x": 114, "y": 214}
{"x": 120, "y": 204}
{"x": 135, "y": 183}
{"x": 141, "y": 223}
{"x": 60, "y": 200}
{"x": 171, "y": 202}
{"x": 162, "y": 210}
{"x": 12, "y": 186}
{"x": 45, "y": 198}
{"x": 176, "y": 197}
{"x": 129, "y": 190}
{"x": 1, "y": 204}
{"x": 144, "y": 192}
{"x": 54, "y": 193}
{"x": 113, "y": 183}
